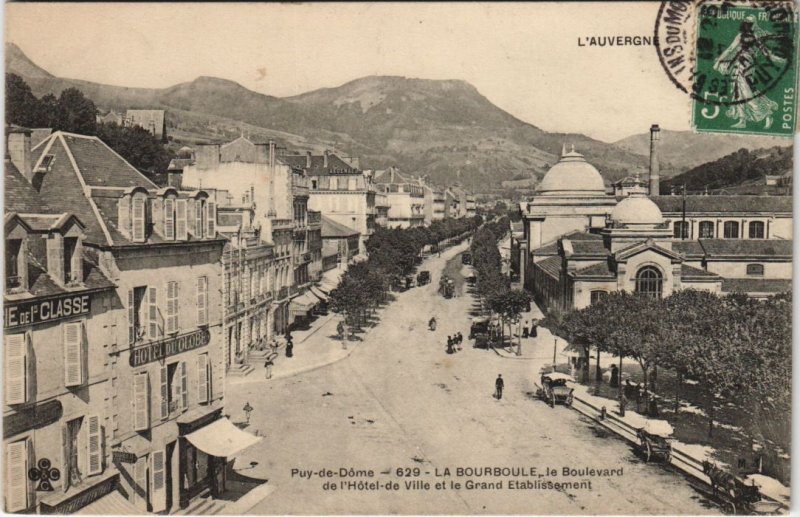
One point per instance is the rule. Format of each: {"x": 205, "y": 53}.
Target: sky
{"x": 524, "y": 58}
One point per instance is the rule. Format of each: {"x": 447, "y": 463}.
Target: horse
{"x": 720, "y": 478}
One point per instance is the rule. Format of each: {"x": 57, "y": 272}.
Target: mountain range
{"x": 445, "y": 130}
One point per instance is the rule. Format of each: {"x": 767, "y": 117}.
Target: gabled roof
{"x": 40, "y": 284}
{"x": 640, "y": 247}
{"x": 336, "y": 166}
{"x": 550, "y": 266}
{"x": 573, "y": 236}
{"x": 333, "y": 230}
{"x": 717, "y": 204}
{"x": 601, "y": 269}
{"x": 747, "y": 248}
{"x": 386, "y": 177}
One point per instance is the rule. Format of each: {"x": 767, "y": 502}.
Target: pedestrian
{"x": 533, "y": 332}
{"x": 450, "y": 349}
{"x": 614, "y": 380}
{"x": 268, "y": 367}
{"x": 525, "y": 329}
{"x": 498, "y": 387}
{"x": 640, "y": 397}
{"x": 289, "y": 346}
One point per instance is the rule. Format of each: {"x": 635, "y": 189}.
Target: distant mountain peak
{"x": 19, "y": 63}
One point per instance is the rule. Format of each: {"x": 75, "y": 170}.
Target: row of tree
{"x": 492, "y": 285}
{"x": 393, "y": 253}
{"x": 73, "y": 112}
{"x": 735, "y": 349}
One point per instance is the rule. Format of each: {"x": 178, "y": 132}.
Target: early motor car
{"x": 554, "y": 389}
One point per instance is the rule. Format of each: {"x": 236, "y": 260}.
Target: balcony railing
{"x": 282, "y": 223}
{"x": 283, "y": 292}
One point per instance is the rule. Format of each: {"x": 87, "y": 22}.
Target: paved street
{"x": 399, "y": 400}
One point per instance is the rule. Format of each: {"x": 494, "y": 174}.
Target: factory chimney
{"x": 655, "y": 136}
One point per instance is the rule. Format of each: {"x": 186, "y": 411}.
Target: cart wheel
{"x": 731, "y": 506}
{"x": 647, "y": 452}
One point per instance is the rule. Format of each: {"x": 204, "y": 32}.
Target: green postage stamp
{"x": 744, "y": 57}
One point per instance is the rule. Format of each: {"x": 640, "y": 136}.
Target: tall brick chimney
{"x": 655, "y": 136}
{"x": 18, "y": 148}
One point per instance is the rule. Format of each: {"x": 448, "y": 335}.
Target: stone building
{"x": 160, "y": 248}
{"x": 154, "y": 121}
{"x": 406, "y": 198}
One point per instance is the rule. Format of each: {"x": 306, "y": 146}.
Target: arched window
{"x": 731, "y": 230}
{"x": 596, "y": 296}
{"x": 755, "y": 269}
{"x": 756, "y": 230}
{"x": 648, "y": 282}
{"x": 681, "y": 230}
{"x": 706, "y": 229}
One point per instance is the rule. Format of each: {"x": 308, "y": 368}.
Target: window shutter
{"x": 65, "y": 456}
{"x": 184, "y": 387}
{"x": 94, "y": 445}
{"x": 131, "y": 317}
{"x": 124, "y": 215}
{"x": 172, "y": 309}
{"x": 16, "y": 369}
{"x": 211, "y": 219}
{"x": 138, "y": 216}
{"x": 202, "y": 378}
{"x": 73, "y": 358}
{"x": 17, "y": 476}
{"x": 141, "y": 402}
{"x": 199, "y": 223}
{"x": 169, "y": 219}
{"x": 140, "y": 481}
{"x": 181, "y": 233}
{"x": 202, "y": 301}
{"x": 164, "y": 392}
{"x": 155, "y": 328}
{"x": 55, "y": 258}
{"x": 158, "y": 493}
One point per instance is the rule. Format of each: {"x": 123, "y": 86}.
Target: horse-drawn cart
{"x": 739, "y": 496}
{"x": 655, "y": 440}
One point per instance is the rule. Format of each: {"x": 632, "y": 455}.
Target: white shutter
{"x": 155, "y": 328}
{"x": 16, "y": 369}
{"x": 158, "y": 498}
{"x": 17, "y": 476}
{"x": 131, "y": 317}
{"x": 138, "y": 216}
{"x": 202, "y": 300}
{"x": 211, "y": 219}
{"x": 94, "y": 445}
{"x": 73, "y": 358}
{"x": 140, "y": 481}
{"x": 124, "y": 215}
{"x": 169, "y": 219}
{"x": 202, "y": 378}
{"x": 184, "y": 386}
{"x": 172, "y": 307}
{"x": 199, "y": 223}
{"x": 191, "y": 217}
{"x": 181, "y": 232}
{"x": 164, "y": 376}
{"x": 141, "y": 402}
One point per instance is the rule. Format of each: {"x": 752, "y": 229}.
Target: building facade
{"x": 406, "y": 198}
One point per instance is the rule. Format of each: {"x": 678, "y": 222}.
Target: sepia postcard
{"x": 387, "y": 258}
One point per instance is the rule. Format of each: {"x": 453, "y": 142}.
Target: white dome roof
{"x": 637, "y": 209}
{"x": 572, "y": 175}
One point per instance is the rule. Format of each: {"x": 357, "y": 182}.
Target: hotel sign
{"x": 168, "y": 347}
{"x": 31, "y": 312}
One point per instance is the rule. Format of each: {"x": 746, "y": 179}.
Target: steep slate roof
{"x": 40, "y": 283}
{"x": 689, "y": 249}
{"x": 85, "y": 160}
{"x": 747, "y": 247}
{"x": 736, "y": 204}
{"x": 589, "y": 247}
{"x": 689, "y": 272}
{"x": 336, "y": 166}
{"x": 20, "y": 196}
{"x": 333, "y": 230}
{"x": 551, "y": 266}
{"x": 574, "y": 236}
{"x": 756, "y": 285}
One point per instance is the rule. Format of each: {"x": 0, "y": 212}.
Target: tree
{"x": 137, "y": 145}
{"x": 76, "y": 113}
{"x": 22, "y": 107}
{"x": 510, "y": 305}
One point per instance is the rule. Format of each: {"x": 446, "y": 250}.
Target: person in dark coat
{"x": 614, "y": 381}
{"x": 525, "y": 329}
{"x": 450, "y": 348}
{"x": 289, "y": 346}
{"x": 498, "y": 387}
{"x": 533, "y": 332}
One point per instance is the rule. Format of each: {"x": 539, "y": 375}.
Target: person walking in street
{"x": 450, "y": 349}
{"x": 525, "y": 329}
{"x": 268, "y": 367}
{"x": 289, "y": 346}
{"x": 533, "y": 332}
{"x": 498, "y": 387}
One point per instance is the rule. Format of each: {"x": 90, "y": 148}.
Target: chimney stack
{"x": 655, "y": 136}
{"x": 308, "y": 159}
{"x": 325, "y": 159}
{"x": 18, "y": 148}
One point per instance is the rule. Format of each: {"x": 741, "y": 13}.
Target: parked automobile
{"x": 423, "y": 278}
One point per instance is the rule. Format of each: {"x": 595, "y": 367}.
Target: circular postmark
{"x": 725, "y": 52}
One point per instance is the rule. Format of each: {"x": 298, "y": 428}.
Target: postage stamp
{"x": 737, "y": 61}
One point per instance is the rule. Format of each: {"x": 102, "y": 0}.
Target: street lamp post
{"x": 555, "y": 347}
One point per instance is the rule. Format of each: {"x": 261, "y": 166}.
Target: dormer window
{"x": 138, "y": 218}
{"x": 46, "y": 163}
{"x": 15, "y": 265}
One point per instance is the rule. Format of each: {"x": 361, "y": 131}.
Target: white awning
{"x": 221, "y": 438}
{"x": 319, "y": 294}
{"x": 303, "y": 303}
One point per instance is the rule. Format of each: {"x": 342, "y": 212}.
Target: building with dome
{"x": 581, "y": 241}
